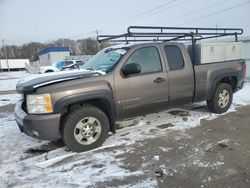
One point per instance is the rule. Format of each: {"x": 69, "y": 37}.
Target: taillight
{"x": 244, "y": 70}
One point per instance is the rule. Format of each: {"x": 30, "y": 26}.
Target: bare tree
{"x": 71, "y": 44}
{"x": 88, "y": 46}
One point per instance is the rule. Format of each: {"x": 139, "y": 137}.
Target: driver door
{"x": 144, "y": 90}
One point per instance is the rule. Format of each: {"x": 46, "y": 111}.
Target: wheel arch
{"x": 49, "y": 70}
{"x": 231, "y": 79}
{"x": 100, "y": 99}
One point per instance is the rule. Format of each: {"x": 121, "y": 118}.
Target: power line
{"x": 217, "y": 12}
{"x": 186, "y": 1}
{"x": 133, "y": 18}
{"x": 141, "y": 14}
{"x": 191, "y": 12}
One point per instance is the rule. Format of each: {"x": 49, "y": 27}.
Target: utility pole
{"x": 98, "y": 44}
{"x": 6, "y": 57}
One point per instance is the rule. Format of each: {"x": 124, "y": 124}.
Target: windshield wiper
{"x": 89, "y": 69}
{"x": 108, "y": 50}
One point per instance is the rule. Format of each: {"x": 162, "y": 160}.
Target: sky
{"x": 23, "y": 21}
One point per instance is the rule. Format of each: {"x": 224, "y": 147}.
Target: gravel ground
{"x": 215, "y": 154}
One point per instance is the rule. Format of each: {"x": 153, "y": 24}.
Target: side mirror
{"x": 132, "y": 68}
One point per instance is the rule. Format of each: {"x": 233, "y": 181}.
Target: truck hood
{"x": 31, "y": 83}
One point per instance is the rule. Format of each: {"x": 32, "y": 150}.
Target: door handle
{"x": 159, "y": 80}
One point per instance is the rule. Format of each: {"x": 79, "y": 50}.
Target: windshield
{"x": 104, "y": 60}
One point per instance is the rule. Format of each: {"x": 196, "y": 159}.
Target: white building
{"x": 13, "y": 64}
{"x": 48, "y": 56}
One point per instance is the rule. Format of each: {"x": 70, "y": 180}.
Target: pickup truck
{"x": 82, "y": 106}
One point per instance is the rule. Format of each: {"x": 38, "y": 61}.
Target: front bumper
{"x": 45, "y": 127}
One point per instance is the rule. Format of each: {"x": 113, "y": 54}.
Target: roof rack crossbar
{"x": 196, "y": 29}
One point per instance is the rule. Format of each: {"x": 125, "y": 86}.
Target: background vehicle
{"x": 58, "y": 66}
{"x": 73, "y": 66}
{"x": 81, "y": 107}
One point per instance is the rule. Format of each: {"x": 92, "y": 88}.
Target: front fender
{"x": 107, "y": 96}
{"x": 81, "y": 97}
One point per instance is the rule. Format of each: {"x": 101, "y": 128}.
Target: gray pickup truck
{"x": 81, "y": 107}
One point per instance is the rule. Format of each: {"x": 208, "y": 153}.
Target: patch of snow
{"x": 156, "y": 157}
{"x": 207, "y": 164}
{"x": 165, "y": 149}
{"x": 48, "y": 163}
{"x": 225, "y": 141}
{"x": 142, "y": 184}
{"x": 13, "y": 143}
{"x": 8, "y": 80}
{"x": 9, "y": 99}
{"x": 13, "y": 75}
{"x": 6, "y": 85}
{"x": 83, "y": 170}
{"x": 242, "y": 97}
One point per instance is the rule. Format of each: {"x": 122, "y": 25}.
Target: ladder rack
{"x": 165, "y": 34}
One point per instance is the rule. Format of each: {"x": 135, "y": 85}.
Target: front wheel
{"x": 222, "y": 99}
{"x": 85, "y": 128}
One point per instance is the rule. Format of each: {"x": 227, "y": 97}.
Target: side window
{"x": 148, "y": 58}
{"x": 68, "y": 63}
{"x": 174, "y": 57}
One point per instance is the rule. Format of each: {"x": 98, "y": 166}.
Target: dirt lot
{"x": 214, "y": 154}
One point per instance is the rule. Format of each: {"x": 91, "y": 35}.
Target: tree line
{"x": 87, "y": 46}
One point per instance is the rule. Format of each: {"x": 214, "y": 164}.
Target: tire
{"x": 221, "y": 99}
{"x": 85, "y": 128}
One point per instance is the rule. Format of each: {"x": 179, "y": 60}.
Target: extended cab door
{"x": 145, "y": 89}
{"x": 180, "y": 73}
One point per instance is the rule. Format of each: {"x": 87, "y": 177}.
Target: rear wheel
{"x": 222, "y": 99}
{"x": 85, "y": 128}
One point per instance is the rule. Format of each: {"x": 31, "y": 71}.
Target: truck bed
{"x": 207, "y": 75}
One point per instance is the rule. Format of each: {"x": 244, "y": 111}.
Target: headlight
{"x": 39, "y": 104}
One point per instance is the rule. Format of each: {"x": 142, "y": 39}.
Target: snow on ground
{"x": 62, "y": 168}
{"x": 13, "y": 75}
{"x": 6, "y": 85}
{"x": 8, "y": 80}
{"x": 242, "y": 97}
{"x": 9, "y": 99}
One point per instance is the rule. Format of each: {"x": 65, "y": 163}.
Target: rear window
{"x": 174, "y": 57}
